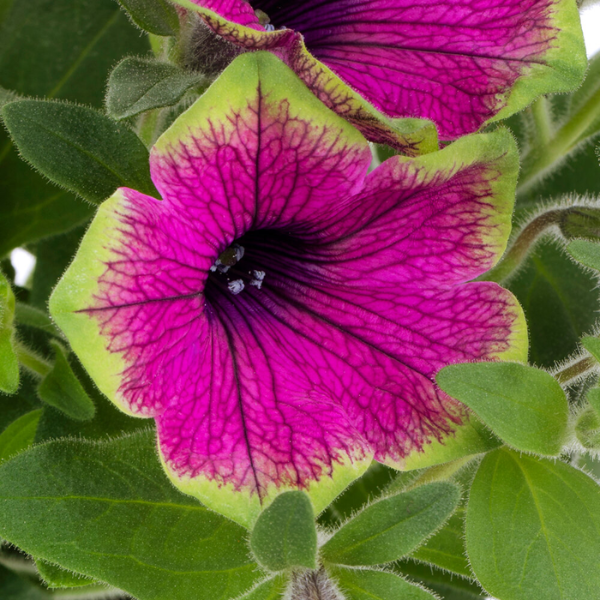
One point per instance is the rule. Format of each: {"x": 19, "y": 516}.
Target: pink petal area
{"x": 427, "y": 223}
{"x": 299, "y": 378}
{"x": 451, "y": 62}
{"x": 237, "y": 11}
{"x": 261, "y": 165}
{"x": 455, "y": 63}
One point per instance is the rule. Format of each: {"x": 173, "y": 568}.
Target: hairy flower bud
{"x": 581, "y": 222}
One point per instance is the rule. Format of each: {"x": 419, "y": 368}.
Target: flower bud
{"x": 581, "y": 222}
{"x": 587, "y": 429}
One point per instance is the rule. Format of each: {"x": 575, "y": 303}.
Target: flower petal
{"x": 458, "y": 64}
{"x": 383, "y": 350}
{"x": 435, "y": 220}
{"x": 237, "y": 422}
{"x": 410, "y": 136}
{"x": 461, "y": 65}
{"x": 258, "y": 149}
{"x": 236, "y": 11}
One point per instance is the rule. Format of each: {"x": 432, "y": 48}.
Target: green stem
{"x": 435, "y": 473}
{"x": 540, "y": 159}
{"x": 543, "y": 124}
{"x": 523, "y": 245}
{"x": 575, "y": 370}
{"x": 31, "y": 361}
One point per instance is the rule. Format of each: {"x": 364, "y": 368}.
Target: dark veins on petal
{"x": 265, "y": 355}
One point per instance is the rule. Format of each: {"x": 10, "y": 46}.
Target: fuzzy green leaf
{"x": 392, "y": 527}
{"x": 524, "y": 406}
{"x": 587, "y": 428}
{"x": 586, "y": 252}
{"x": 79, "y": 148}
{"x": 137, "y": 85}
{"x": 61, "y": 388}
{"x": 560, "y": 300}
{"x": 19, "y": 435}
{"x": 446, "y": 549}
{"x": 20, "y": 587}
{"x": 107, "y": 510}
{"x": 362, "y": 584}
{"x": 9, "y": 364}
{"x": 58, "y": 578}
{"x": 593, "y": 397}
{"x": 271, "y": 589}
{"x": 156, "y": 16}
{"x": 59, "y": 49}
{"x": 533, "y": 528}
{"x": 285, "y": 535}
{"x": 446, "y": 584}
{"x": 592, "y": 345}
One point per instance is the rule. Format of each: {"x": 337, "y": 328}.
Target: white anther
{"x": 269, "y": 27}
{"x": 236, "y": 286}
{"x": 213, "y": 268}
{"x": 257, "y": 279}
{"x": 239, "y": 252}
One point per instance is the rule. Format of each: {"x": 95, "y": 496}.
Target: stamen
{"x": 257, "y": 279}
{"x": 236, "y": 286}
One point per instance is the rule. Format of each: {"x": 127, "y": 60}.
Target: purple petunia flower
{"x": 281, "y": 313}
{"x": 459, "y": 63}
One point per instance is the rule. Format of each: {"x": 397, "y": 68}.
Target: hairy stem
{"x": 543, "y": 123}
{"x": 543, "y": 157}
{"x": 522, "y": 246}
{"x": 34, "y": 363}
{"x": 575, "y": 370}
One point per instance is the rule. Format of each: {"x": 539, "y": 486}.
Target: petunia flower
{"x": 281, "y": 313}
{"x": 459, "y": 63}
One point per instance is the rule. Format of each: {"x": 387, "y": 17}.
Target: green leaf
{"x": 392, "y": 527}
{"x": 560, "y": 300}
{"x": 86, "y": 38}
{"x": 9, "y": 364}
{"x": 446, "y": 549}
{"x": 533, "y": 528}
{"x": 271, "y": 589}
{"x": 524, "y": 406}
{"x": 586, "y": 252}
{"x": 365, "y": 489}
{"x": 593, "y": 397}
{"x": 79, "y": 148}
{"x": 285, "y": 535}
{"x": 58, "y": 578}
{"x": 16, "y": 587}
{"x": 24, "y": 401}
{"x": 19, "y": 435}
{"x": 156, "y": 16}
{"x": 107, "y": 510}
{"x": 61, "y": 388}
{"x": 446, "y": 584}
{"x": 363, "y": 584}
{"x": 592, "y": 345}
{"x": 108, "y": 421}
{"x": 137, "y": 85}
{"x": 587, "y": 428}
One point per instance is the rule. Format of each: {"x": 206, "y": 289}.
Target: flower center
{"x": 229, "y": 270}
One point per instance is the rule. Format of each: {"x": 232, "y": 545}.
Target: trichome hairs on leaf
{"x": 313, "y": 585}
{"x": 204, "y": 51}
